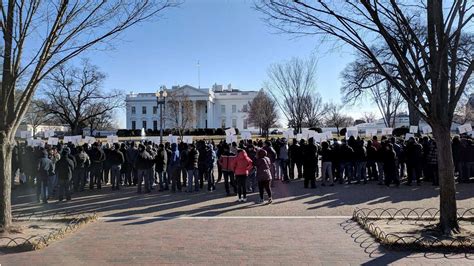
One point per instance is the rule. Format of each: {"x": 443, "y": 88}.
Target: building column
{"x": 196, "y": 117}
{"x": 209, "y": 114}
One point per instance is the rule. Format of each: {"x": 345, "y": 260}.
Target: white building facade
{"x": 213, "y": 108}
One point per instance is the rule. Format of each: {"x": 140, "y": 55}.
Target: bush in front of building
{"x": 166, "y": 132}
{"x": 400, "y": 131}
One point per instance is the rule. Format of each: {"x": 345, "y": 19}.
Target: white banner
{"x": 172, "y": 139}
{"x": 49, "y": 133}
{"x": 112, "y": 139}
{"x": 230, "y": 131}
{"x": 53, "y": 141}
{"x": 26, "y": 134}
{"x": 409, "y": 135}
{"x": 371, "y": 132}
{"x": 414, "y": 129}
{"x": 89, "y": 140}
{"x": 188, "y": 139}
{"x": 387, "y": 131}
{"x": 465, "y": 128}
{"x": 246, "y": 135}
{"x": 289, "y": 134}
{"x": 230, "y": 139}
{"x": 427, "y": 129}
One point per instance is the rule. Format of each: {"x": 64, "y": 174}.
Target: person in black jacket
{"x": 192, "y": 159}
{"x": 295, "y": 159}
{"x": 64, "y": 171}
{"x": 80, "y": 172}
{"x": 97, "y": 157}
{"x": 326, "y": 164}
{"x": 414, "y": 162}
{"x": 360, "y": 155}
{"x": 116, "y": 159}
{"x": 161, "y": 159}
{"x": 44, "y": 169}
{"x": 143, "y": 164}
{"x": 310, "y": 153}
{"x": 389, "y": 158}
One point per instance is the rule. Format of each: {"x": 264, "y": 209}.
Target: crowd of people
{"x": 58, "y": 171}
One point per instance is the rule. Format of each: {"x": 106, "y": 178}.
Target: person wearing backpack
{"x": 44, "y": 169}
{"x": 80, "y": 173}
{"x": 264, "y": 176}
{"x": 64, "y": 171}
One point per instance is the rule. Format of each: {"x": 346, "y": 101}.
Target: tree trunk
{"x": 448, "y": 217}
{"x": 5, "y": 180}
{"x": 413, "y": 115}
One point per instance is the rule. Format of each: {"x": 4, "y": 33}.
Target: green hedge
{"x": 187, "y": 132}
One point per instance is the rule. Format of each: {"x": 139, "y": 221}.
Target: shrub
{"x": 400, "y": 131}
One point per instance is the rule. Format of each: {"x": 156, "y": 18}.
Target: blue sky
{"x": 229, "y": 39}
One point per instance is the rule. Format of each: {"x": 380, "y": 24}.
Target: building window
{"x": 155, "y": 110}
{"x": 234, "y": 108}
{"x": 144, "y": 125}
{"x": 234, "y": 122}
{"x": 134, "y": 124}
{"x": 143, "y": 110}
{"x": 206, "y": 110}
{"x": 245, "y": 108}
{"x": 223, "y": 123}
{"x": 245, "y": 124}
{"x": 222, "y": 109}
{"x": 155, "y": 125}
{"x": 134, "y": 111}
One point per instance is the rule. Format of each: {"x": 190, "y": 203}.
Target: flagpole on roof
{"x": 199, "y": 75}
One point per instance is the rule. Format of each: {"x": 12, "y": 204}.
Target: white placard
{"x": 246, "y": 135}
{"x": 53, "y": 141}
{"x": 66, "y": 139}
{"x": 323, "y": 136}
{"x": 188, "y": 139}
{"x": 427, "y": 129}
{"x": 49, "y": 133}
{"x": 26, "y": 134}
{"x": 155, "y": 140}
{"x": 414, "y": 129}
{"x": 352, "y": 133}
{"x": 328, "y": 134}
{"x": 409, "y": 135}
{"x": 89, "y": 140}
{"x": 112, "y": 139}
{"x": 172, "y": 139}
{"x": 370, "y": 132}
{"x": 230, "y": 131}
{"x": 387, "y": 131}
{"x": 465, "y": 128}
{"x": 299, "y": 136}
{"x": 76, "y": 139}
{"x": 352, "y": 129}
{"x": 231, "y": 139}
{"x": 289, "y": 134}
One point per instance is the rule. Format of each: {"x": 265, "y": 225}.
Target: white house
{"x": 214, "y": 108}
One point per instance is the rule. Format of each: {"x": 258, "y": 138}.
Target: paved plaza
{"x": 301, "y": 227}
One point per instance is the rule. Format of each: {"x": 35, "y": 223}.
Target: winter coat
{"x": 161, "y": 160}
{"x": 270, "y": 153}
{"x": 132, "y": 155}
{"x": 82, "y": 160}
{"x": 326, "y": 155}
{"x": 310, "y": 153}
{"x": 242, "y": 164}
{"x": 226, "y": 161}
{"x": 115, "y": 157}
{"x": 192, "y": 159}
{"x": 64, "y": 168}
{"x": 263, "y": 166}
{"x": 45, "y": 167}
{"x": 283, "y": 152}
{"x": 97, "y": 156}
{"x": 144, "y": 160}
{"x": 294, "y": 153}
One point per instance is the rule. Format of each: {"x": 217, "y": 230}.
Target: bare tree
{"x": 38, "y": 36}
{"x": 369, "y": 117}
{"x": 433, "y": 68}
{"x": 104, "y": 121}
{"x": 314, "y": 110}
{"x": 290, "y": 84}
{"x": 36, "y": 116}
{"x": 74, "y": 95}
{"x": 179, "y": 111}
{"x": 335, "y": 118}
{"x": 465, "y": 110}
{"x": 263, "y": 112}
{"x": 361, "y": 81}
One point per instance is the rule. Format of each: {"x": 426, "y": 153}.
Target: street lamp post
{"x": 160, "y": 101}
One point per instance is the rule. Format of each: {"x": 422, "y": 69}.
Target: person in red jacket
{"x": 241, "y": 166}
